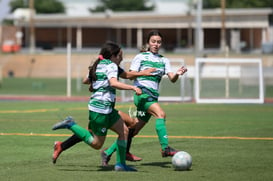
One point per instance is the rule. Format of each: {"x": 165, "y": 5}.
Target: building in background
{"x": 246, "y": 29}
{"x": 81, "y": 7}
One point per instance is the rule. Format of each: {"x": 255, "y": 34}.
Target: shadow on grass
{"x": 109, "y": 168}
{"x": 163, "y": 165}
{"x": 73, "y": 167}
{"x": 158, "y": 164}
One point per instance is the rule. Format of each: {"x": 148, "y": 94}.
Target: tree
{"x": 41, "y": 6}
{"x": 124, "y": 5}
{"x": 17, "y": 4}
{"x": 239, "y": 4}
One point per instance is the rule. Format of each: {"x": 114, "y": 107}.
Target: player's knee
{"x": 97, "y": 146}
{"x": 161, "y": 114}
{"x": 133, "y": 123}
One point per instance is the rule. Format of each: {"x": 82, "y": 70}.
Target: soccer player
{"x": 101, "y": 90}
{"x": 102, "y": 112}
{"x": 59, "y": 146}
{"x": 147, "y": 103}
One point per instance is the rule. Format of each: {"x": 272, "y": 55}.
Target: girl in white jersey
{"x": 102, "y": 112}
{"x": 147, "y": 103}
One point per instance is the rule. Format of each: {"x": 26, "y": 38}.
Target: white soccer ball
{"x": 182, "y": 161}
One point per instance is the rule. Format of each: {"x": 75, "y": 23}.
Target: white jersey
{"x": 149, "y": 60}
{"x": 103, "y": 98}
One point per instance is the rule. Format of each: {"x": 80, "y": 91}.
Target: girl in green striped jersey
{"x": 147, "y": 103}
{"x": 102, "y": 112}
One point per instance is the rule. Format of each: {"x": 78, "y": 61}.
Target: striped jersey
{"x": 150, "y": 84}
{"x": 104, "y": 96}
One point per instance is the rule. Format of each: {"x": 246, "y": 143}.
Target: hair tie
{"x": 101, "y": 57}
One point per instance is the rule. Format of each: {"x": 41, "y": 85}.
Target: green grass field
{"x": 41, "y": 86}
{"x": 57, "y": 86}
{"x": 227, "y": 142}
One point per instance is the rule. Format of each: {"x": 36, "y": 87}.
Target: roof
{"x": 235, "y": 18}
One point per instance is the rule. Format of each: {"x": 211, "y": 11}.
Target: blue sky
{"x": 4, "y": 6}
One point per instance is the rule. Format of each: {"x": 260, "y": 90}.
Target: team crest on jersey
{"x": 103, "y": 130}
{"x": 150, "y": 99}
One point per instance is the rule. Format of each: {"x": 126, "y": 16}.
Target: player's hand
{"x": 181, "y": 70}
{"x": 148, "y": 71}
{"x": 137, "y": 90}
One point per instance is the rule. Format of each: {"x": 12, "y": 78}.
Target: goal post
{"x": 229, "y": 80}
{"x": 181, "y": 91}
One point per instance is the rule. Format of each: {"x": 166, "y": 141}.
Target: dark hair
{"x": 150, "y": 34}
{"x": 108, "y": 49}
{"x": 153, "y": 33}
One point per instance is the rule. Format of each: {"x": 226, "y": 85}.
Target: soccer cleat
{"x": 57, "y": 151}
{"x": 66, "y": 123}
{"x": 132, "y": 158}
{"x": 104, "y": 158}
{"x": 123, "y": 167}
{"x": 168, "y": 152}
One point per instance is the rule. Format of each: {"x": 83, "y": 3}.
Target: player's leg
{"x": 161, "y": 130}
{"x": 130, "y": 156}
{"x": 121, "y": 129}
{"x": 82, "y": 133}
{"x": 69, "y": 142}
{"x": 59, "y": 146}
{"x": 107, "y": 153}
{"x": 132, "y": 132}
{"x": 142, "y": 118}
{"x": 130, "y": 123}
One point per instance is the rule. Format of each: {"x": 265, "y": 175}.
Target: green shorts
{"x": 143, "y": 102}
{"x": 100, "y": 123}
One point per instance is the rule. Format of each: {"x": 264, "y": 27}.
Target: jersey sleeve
{"x": 168, "y": 68}
{"x": 135, "y": 65}
{"x": 112, "y": 71}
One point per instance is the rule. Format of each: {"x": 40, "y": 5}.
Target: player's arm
{"x": 134, "y": 74}
{"x": 174, "y": 76}
{"x": 86, "y": 80}
{"x": 122, "y": 86}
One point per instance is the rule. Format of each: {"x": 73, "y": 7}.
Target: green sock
{"x": 161, "y": 132}
{"x": 111, "y": 149}
{"x": 82, "y": 133}
{"x": 121, "y": 151}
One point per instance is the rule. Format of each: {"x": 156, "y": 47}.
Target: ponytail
{"x": 108, "y": 49}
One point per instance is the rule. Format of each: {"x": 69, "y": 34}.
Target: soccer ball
{"x": 182, "y": 161}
